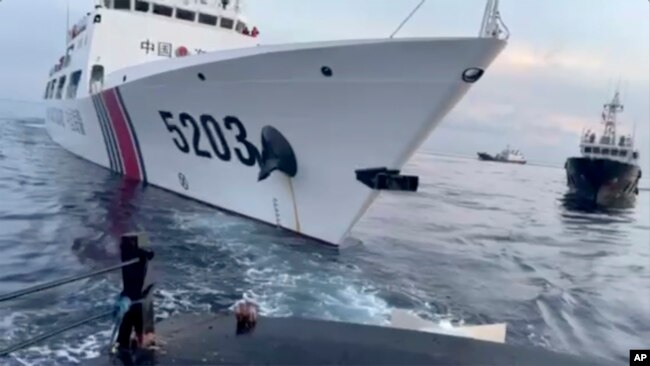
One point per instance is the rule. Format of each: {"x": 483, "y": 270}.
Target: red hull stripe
{"x": 125, "y": 140}
{"x": 134, "y": 135}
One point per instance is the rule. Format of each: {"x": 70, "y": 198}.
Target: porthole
{"x": 326, "y": 71}
{"x": 472, "y": 75}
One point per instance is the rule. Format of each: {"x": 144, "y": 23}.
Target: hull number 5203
{"x": 207, "y": 126}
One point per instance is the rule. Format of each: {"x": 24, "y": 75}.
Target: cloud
{"x": 545, "y": 97}
{"x": 536, "y": 124}
{"x": 577, "y": 64}
{"x": 527, "y": 59}
{"x": 568, "y": 123}
{"x": 548, "y": 128}
{"x": 487, "y": 112}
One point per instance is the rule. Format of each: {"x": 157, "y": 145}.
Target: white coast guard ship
{"x": 181, "y": 94}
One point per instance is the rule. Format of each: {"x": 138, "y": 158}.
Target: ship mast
{"x": 609, "y": 115}
{"x": 492, "y": 26}
{"x": 67, "y": 24}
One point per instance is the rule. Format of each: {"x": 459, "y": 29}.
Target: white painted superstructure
{"x": 609, "y": 145}
{"x": 511, "y": 155}
{"x": 178, "y": 93}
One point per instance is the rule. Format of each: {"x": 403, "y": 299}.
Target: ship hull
{"x": 193, "y": 125}
{"x": 485, "y": 157}
{"x": 602, "y": 181}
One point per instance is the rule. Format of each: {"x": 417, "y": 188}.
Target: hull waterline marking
{"x": 183, "y": 181}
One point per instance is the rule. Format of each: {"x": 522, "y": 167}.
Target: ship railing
{"x": 590, "y": 138}
{"x": 133, "y": 310}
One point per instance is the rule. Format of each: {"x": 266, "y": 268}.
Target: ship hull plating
{"x": 602, "y": 181}
{"x": 193, "y": 125}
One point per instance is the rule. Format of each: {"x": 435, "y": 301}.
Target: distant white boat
{"x": 507, "y": 155}
{"x": 180, "y": 94}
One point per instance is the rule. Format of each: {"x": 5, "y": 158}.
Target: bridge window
{"x": 59, "y": 89}
{"x": 241, "y": 27}
{"x": 142, "y": 6}
{"x": 122, "y": 4}
{"x": 75, "y": 77}
{"x": 185, "y": 14}
{"x": 47, "y": 90}
{"x": 614, "y": 152}
{"x": 588, "y": 149}
{"x": 52, "y": 89}
{"x": 605, "y": 151}
{"x": 596, "y": 150}
{"x": 635, "y": 155}
{"x": 622, "y": 153}
{"x": 227, "y": 23}
{"x": 207, "y": 19}
{"x": 163, "y": 10}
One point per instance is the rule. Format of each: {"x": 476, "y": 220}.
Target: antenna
{"x": 67, "y": 24}
{"x": 486, "y": 13}
{"x": 408, "y": 18}
{"x": 492, "y": 26}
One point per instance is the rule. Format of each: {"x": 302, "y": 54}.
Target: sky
{"x": 563, "y": 61}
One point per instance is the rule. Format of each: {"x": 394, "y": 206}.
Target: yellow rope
{"x": 295, "y": 207}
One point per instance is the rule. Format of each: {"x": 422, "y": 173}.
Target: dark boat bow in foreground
{"x": 213, "y": 340}
{"x": 601, "y": 180}
{"x": 607, "y": 173}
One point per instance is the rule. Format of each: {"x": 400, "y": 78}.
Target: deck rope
{"x": 295, "y": 206}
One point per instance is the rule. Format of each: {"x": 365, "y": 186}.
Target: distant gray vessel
{"x": 508, "y": 155}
